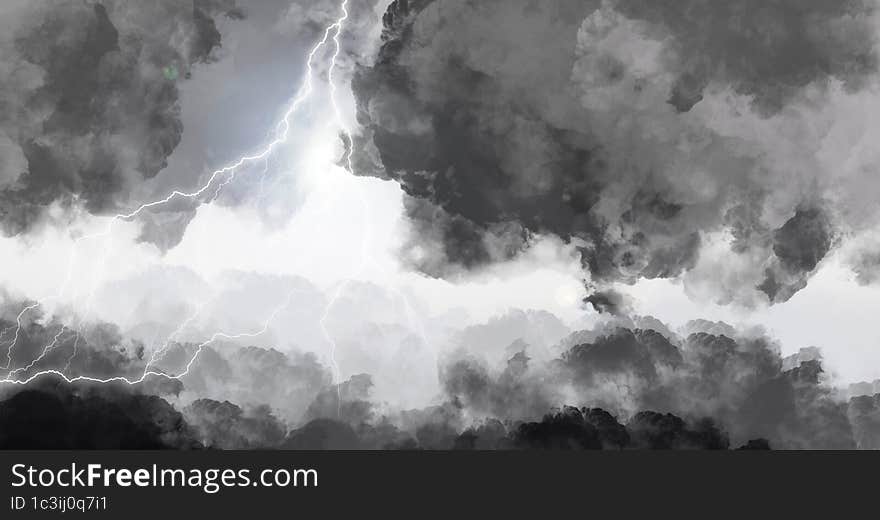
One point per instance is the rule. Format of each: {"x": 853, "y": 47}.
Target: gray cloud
{"x": 741, "y": 382}
{"x": 864, "y": 414}
{"x": 92, "y": 104}
{"x": 92, "y": 349}
{"x": 768, "y": 51}
{"x": 612, "y": 125}
{"x": 254, "y": 376}
{"x": 226, "y": 426}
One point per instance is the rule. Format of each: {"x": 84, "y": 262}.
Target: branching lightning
{"x": 217, "y": 180}
{"x": 282, "y": 131}
{"x": 364, "y": 236}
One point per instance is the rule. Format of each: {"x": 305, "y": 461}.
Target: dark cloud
{"x": 639, "y": 352}
{"x": 517, "y": 393}
{"x": 572, "y": 429}
{"x": 323, "y": 434}
{"x": 721, "y": 391}
{"x": 864, "y": 414}
{"x": 607, "y": 302}
{"x": 55, "y": 415}
{"x": 587, "y": 429}
{"x": 741, "y": 383}
{"x": 506, "y": 120}
{"x": 766, "y": 50}
{"x": 655, "y": 431}
{"x": 799, "y": 245}
{"x": 94, "y": 108}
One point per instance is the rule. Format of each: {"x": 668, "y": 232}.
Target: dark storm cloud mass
{"x": 590, "y": 120}
{"x": 704, "y": 390}
{"x": 53, "y": 415}
{"x": 768, "y": 50}
{"x": 91, "y": 106}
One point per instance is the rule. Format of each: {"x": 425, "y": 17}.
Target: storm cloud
{"x": 636, "y": 130}
{"x": 55, "y": 415}
{"x": 89, "y": 102}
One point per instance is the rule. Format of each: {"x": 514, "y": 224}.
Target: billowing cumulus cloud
{"x": 646, "y": 133}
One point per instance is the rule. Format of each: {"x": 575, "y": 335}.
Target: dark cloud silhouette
{"x": 323, "y": 434}
{"x": 55, "y": 415}
{"x": 595, "y": 429}
{"x": 799, "y": 245}
{"x": 652, "y": 430}
{"x": 572, "y": 429}
{"x": 606, "y": 302}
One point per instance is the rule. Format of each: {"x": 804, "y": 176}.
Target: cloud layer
{"x": 627, "y": 384}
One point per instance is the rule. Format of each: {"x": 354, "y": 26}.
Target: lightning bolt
{"x": 281, "y": 136}
{"x": 219, "y": 179}
{"x": 147, "y": 372}
{"x": 366, "y": 236}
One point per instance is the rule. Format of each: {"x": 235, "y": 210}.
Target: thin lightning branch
{"x": 365, "y": 236}
{"x": 17, "y": 332}
{"x": 261, "y": 191}
{"x": 282, "y": 131}
{"x": 159, "y": 353}
{"x": 73, "y": 352}
{"x": 48, "y": 348}
{"x": 147, "y": 373}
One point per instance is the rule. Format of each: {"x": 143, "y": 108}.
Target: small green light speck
{"x": 170, "y": 72}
